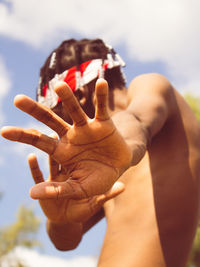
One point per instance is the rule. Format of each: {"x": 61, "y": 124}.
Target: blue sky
{"x": 151, "y": 36}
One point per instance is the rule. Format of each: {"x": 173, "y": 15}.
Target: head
{"x": 80, "y": 64}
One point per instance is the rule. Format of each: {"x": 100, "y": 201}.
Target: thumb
{"x": 115, "y": 190}
{"x": 86, "y": 208}
{"x": 97, "y": 202}
{"x": 57, "y": 190}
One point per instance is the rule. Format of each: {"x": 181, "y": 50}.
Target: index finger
{"x": 53, "y": 168}
{"x": 41, "y": 113}
{"x": 35, "y": 169}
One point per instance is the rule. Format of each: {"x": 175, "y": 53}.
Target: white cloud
{"x": 156, "y": 30}
{"x": 34, "y": 259}
{"x": 5, "y": 85}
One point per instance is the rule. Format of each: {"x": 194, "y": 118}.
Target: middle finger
{"x": 41, "y": 113}
{"x": 31, "y": 137}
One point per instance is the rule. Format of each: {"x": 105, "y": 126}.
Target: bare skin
{"x": 65, "y": 209}
{"x": 160, "y": 132}
{"x": 72, "y": 215}
{"x": 162, "y": 190}
{"x": 87, "y": 150}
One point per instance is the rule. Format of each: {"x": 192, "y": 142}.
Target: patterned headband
{"x": 77, "y": 77}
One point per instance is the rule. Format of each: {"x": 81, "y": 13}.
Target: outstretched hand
{"x": 91, "y": 151}
{"x": 68, "y": 210}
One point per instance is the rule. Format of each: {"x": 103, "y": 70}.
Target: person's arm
{"x": 64, "y": 236}
{"x": 151, "y": 102}
{"x": 91, "y": 151}
{"x": 68, "y": 219}
{"x": 68, "y": 236}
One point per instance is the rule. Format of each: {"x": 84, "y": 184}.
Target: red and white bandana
{"x": 76, "y": 79}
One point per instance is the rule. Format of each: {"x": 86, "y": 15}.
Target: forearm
{"x": 93, "y": 220}
{"x": 64, "y": 236}
{"x": 134, "y": 133}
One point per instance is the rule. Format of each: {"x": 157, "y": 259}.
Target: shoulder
{"x": 150, "y": 80}
{"x": 153, "y": 86}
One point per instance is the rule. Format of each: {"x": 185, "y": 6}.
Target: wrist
{"x": 64, "y": 236}
{"x": 138, "y": 152}
{"x": 62, "y": 225}
{"x": 134, "y": 134}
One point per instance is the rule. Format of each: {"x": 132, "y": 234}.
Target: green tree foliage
{"x": 194, "y": 260}
{"x": 194, "y": 103}
{"x": 20, "y": 233}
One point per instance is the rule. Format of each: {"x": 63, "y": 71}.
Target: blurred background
{"x": 150, "y": 35}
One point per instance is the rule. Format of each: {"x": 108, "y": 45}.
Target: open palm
{"x": 68, "y": 210}
{"x": 91, "y": 151}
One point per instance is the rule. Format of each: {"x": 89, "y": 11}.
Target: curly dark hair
{"x": 72, "y": 53}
